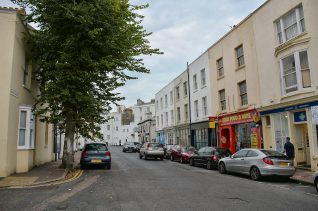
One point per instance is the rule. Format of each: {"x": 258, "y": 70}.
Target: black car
{"x": 95, "y": 154}
{"x": 209, "y": 157}
{"x": 138, "y": 146}
{"x": 129, "y": 147}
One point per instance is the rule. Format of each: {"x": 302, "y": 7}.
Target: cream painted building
{"x": 24, "y": 140}
{"x": 286, "y": 37}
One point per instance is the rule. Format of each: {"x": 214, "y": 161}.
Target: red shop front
{"x": 240, "y": 130}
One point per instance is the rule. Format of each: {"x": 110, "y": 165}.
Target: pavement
{"x": 50, "y": 172}
{"x": 43, "y": 174}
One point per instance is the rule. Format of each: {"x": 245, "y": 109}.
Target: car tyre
{"x": 161, "y": 158}
{"x": 191, "y": 162}
{"x": 146, "y": 157}
{"x": 222, "y": 168}
{"x": 255, "y": 174}
{"x": 209, "y": 165}
{"x": 140, "y": 156}
{"x": 108, "y": 166}
{"x": 316, "y": 184}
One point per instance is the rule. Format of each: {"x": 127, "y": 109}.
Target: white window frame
{"x": 280, "y": 28}
{"x": 220, "y": 68}
{"x": 166, "y": 114}
{"x": 240, "y": 61}
{"x": 297, "y": 70}
{"x": 203, "y": 78}
{"x": 186, "y": 111}
{"x": 172, "y": 117}
{"x": 243, "y": 95}
{"x": 196, "y": 109}
{"x": 171, "y": 97}
{"x": 204, "y": 106}
{"x": 185, "y": 88}
{"x": 178, "y": 114}
{"x": 29, "y": 128}
{"x": 178, "y": 93}
{"x": 222, "y": 100}
{"x": 166, "y": 101}
{"x": 195, "y": 82}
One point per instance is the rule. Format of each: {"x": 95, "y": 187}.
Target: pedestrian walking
{"x": 289, "y": 149}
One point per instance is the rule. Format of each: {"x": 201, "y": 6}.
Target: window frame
{"x": 185, "y": 88}
{"x": 204, "y": 106}
{"x": 196, "y": 109}
{"x": 186, "y": 111}
{"x": 243, "y": 96}
{"x": 203, "y": 77}
{"x": 30, "y": 121}
{"x": 222, "y": 101}
{"x": 220, "y": 68}
{"x": 239, "y": 62}
{"x": 178, "y": 93}
{"x": 195, "y": 82}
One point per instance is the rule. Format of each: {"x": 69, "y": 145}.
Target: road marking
{"x": 310, "y": 194}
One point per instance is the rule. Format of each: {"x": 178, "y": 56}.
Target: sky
{"x": 182, "y": 30}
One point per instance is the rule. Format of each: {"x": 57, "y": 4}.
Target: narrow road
{"x": 134, "y": 184}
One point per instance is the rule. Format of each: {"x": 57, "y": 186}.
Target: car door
{"x": 236, "y": 162}
{"x": 249, "y": 161}
{"x": 199, "y": 155}
{"x": 143, "y": 148}
{"x": 207, "y": 155}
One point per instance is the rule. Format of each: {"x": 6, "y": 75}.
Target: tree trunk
{"x": 68, "y": 151}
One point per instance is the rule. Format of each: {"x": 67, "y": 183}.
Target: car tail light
{"x": 108, "y": 153}
{"x": 84, "y": 154}
{"x": 214, "y": 157}
{"x": 268, "y": 161}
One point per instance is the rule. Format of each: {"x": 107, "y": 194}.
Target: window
{"x": 161, "y": 104}
{"x": 251, "y": 153}
{"x": 140, "y": 110}
{"x": 178, "y": 114}
{"x": 239, "y": 56}
{"x": 116, "y": 128}
{"x": 222, "y": 99}
{"x": 243, "y": 93}
{"x": 240, "y": 154}
{"x": 26, "y": 73}
{"x": 171, "y": 97}
{"x": 295, "y": 72}
{"x": 157, "y": 105}
{"x": 166, "y": 101}
{"x": 186, "y": 112}
{"x": 178, "y": 92}
{"x": 158, "y": 121}
{"x": 203, "y": 79}
{"x": 195, "y": 83}
{"x": 108, "y": 137}
{"x": 172, "y": 117}
{"x": 166, "y": 114}
{"x": 185, "y": 88}
{"x": 290, "y": 25}
{"x": 268, "y": 120}
{"x": 161, "y": 120}
{"x": 204, "y": 106}
{"x": 219, "y": 63}
{"x": 108, "y": 127}
{"x": 196, "y": 108}
{"x": 26, "y": 128}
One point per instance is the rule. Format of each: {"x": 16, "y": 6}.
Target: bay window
{"x": 26, "y": 128}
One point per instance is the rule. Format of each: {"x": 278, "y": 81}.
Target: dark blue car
{"x": 95, "y": 154}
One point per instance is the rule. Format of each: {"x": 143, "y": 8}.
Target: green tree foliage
{"x": 84, "y": 50}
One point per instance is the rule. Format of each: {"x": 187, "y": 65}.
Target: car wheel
{"x": 161, "y": 158}
{"x": 171, "y": 158}
{"x": 108, "y": 166}
{"x": 191, "y": 162}
{"x": 209, "y": 165}
{"x": 146, "y": 157}
{"x": 255, "y": 173}
{"x": 140, "y": 156}
{"x": 316, "y": 184}
{"x": 222, "y": 168}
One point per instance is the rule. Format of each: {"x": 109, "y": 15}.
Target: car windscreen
{"x": 96, "y": 147}
{"x": 155, "y": 145}
{"x": 129, "y": 144}
{"x": 272, "y": 153}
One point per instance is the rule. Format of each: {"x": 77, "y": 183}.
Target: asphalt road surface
{"x": 134, "y": 184}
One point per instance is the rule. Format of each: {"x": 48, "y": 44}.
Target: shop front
{"x": 299, "y": 122}
{"x": 240, "y": 130}
{"x": 202, "y": 135}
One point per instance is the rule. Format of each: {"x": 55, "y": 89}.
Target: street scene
{"x": 138, "y": 184}
{"x": 159, "y": 105}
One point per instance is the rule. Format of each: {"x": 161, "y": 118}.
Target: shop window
{"x": 243, "y": 134}
{"x": 26, "y": 128}
{"x": 268, "y": 121}
{"x": 281, "y": 130}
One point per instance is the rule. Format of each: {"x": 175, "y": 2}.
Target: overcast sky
{"x": 182, "y": 30}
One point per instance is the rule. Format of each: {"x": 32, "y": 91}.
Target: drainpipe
{"x": 188, "y": 71}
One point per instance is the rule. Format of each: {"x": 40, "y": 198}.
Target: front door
{"x": 302, "y": 145}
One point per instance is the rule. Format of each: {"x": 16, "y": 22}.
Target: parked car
{"x": 209, "y": 156}
{"x": 258, "y": 163}
{"x": 129, "y": 147}
{"x": 316, "y": 179}
{"x": 167, "y": 150}
{"x": 175, "y": 153}
{"x": 186, "y": 153}
{"x": 153, "y": 150}
{"x": 138, "y": 146}
{"x": 95, "y": 154}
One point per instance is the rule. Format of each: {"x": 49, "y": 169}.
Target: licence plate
{"x": 96, "y": 161}
{"x": 283, "y": 164}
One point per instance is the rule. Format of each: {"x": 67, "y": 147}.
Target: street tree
{"x": 83, "y": 50}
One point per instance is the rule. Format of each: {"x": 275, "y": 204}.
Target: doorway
{"x": 302, "y": 145}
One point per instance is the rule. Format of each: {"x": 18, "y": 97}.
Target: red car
{"x": 181, "y": 153}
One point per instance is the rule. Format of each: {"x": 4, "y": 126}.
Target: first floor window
{"x": 243, "y": 93}
{"x": 222, "y": 99}
{"x": 295, "y": 72}
{"x": 26, "y": 128}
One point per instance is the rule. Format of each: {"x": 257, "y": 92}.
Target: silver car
{"x": 258, "y": 163}
{"x": 153, "y": 150}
